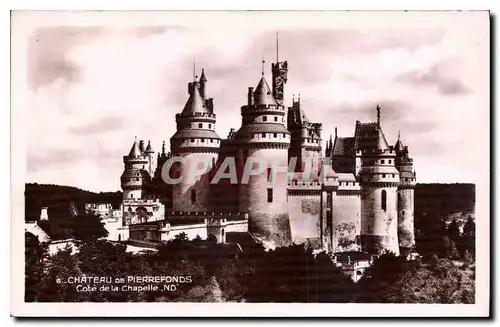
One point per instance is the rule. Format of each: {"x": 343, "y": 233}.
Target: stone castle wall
{"x": 379, "y": 228}
{"x": 192, "y": 181}
{"x": 406, "y": 200}
{"x": 346, "y": 220}
{"x": 268, "y": 220}
{"x": 304, "y": 211}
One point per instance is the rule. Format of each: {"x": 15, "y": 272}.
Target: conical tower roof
{"x": 195, "y": 103}
{"x": 381, "y": 141}
{"x": 135, "y": 151}
{"x": 203, "y": 78}
{"x": 149, "y": 148}
{"x": 263, "y": 94}
{"x": 399, "y": 146}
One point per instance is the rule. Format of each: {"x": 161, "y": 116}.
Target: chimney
{"x": 250, "y": 96}
{"x": 141, "y": 145}
{"x": 44, "y": 214}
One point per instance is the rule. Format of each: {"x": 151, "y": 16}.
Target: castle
{"x": 357, "y": 195}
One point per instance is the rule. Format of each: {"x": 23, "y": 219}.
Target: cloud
{"x": 93, "y": 89}
{"x": 435, "y": 76}
{"x": 103, "y": 125}
{"x": 47, "y": 49}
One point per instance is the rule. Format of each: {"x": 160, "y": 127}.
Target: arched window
{"x": 384, "y": 200}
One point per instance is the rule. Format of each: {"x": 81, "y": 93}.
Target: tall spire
{"x": 194, "y": 69}
{"x": 378, "y": 116}
{"x": 263, "y": 62}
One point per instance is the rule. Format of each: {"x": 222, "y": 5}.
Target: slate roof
{"x": 263, "y": 94}
{"x": 195, "y": 103}
{"x": 369, "y": 136}
{"x": 262, "y": 128}
{"x": 195, "y": 133}
{"x": 135, "y": 151}
{"x": 343, "y": 146}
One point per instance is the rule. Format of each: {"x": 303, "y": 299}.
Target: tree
{"x": 414, "y": 282}
{"x": 385, "y": 270}
{"x": 294, "y": 274}
{"x": 55, "y": 286}
{"x": 468, "y": 239}
{"x": 35, "y": 261}
{"x": 430, "y": 236}
{"x": 87, "y": 227}
{"x": 453, "y": 231}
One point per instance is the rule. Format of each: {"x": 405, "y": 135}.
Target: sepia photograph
{"x": 236, "y": 158}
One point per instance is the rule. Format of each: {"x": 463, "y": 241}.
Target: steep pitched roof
{"x": 149, "y": 148}
{"x": 195, "y": 103}
{"x": 297, "y": 115}
{"x": 135, "y": 151}
{"x": 381, "y": 141}
{"x": 203, "y": 78}
{"x": 399, "y": 146}
{"x": 263, "y": 94}
{"x": 369, "y": 136}
{"x": 343, "y": 146}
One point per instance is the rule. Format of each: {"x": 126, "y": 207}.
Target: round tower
{"x": 263, "y": 142}
{"x": 379, "y": 181}
{"x": 149, "y": 153}
{"x": 132, "y": 179}
{"x": 406, "y": 196}
{"x": 197, "y": 143}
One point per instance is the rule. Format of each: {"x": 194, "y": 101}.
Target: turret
{"x": 203, "y": 84}
{"x": 406, "y": 197}
{"x": 263, "y": 143}
{"x": 149, "y": 153}
{"x": 306, "y": 142}
{"x": 132, "y": 179}
{"x": 198, "y": 144}
{"x": 379, "y": 181}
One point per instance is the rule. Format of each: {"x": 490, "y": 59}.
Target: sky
{"x": 92, "y": 87}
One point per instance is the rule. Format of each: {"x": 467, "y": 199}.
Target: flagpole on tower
{"x": 277, "y": 46}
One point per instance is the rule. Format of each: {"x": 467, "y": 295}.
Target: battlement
{"x": 300, "y": 184}
{"x": 197, "y": 115}
{"x": 262, "y": 108}
{"x": 379, "y": 152}
{"x": 138, "y": 159}
{"x": 209, "y": 214}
